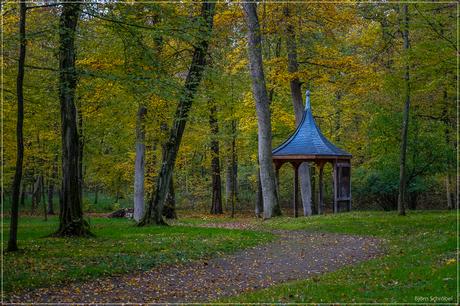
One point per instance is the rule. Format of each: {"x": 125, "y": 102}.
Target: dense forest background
{"x": 131, "y": 62}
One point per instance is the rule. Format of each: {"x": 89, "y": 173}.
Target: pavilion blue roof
{"x": 308, "y": 139}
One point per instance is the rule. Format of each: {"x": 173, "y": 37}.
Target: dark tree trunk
{"x": 50, "y": 198}
{"x": 296, "y": 95}
{"x": 12, "y": 241}
{"x": 36, "y": 192}
{"x": 216, "y": 204}
{"x": 51, "y": 187}
{"x": 81, "y": 147}
{"x": 234, "y": 163}
{"x": 234, "y": 171}
{"x": 96, "y": 193}
{"x": 45, "y": 206}
{"x": 23, "y": 195}
{"x": 153, "y": 214}
{"x": 267, "y": 173}
{"x": 405, "y": 125}
{"x": 413, "y": 200}
{"x": 169, "y": 210}
{"x": 71, "y": 222}
{"x": 231, "y": 181}
{"x": 450, "y": 186}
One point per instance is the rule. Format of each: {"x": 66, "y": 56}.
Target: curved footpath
{"x": 294, "y": 255}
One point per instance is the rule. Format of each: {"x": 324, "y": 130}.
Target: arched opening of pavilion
{"x": 308, "y": 144}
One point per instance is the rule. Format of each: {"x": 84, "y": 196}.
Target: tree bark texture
{"x": 12, "y": 241}
{"x": 296, "y": 95}
{"x": 153, "y": 214}
{"x": 71, "y": 222}
{"x": 259, "y": 200}
{"x": 36, "y": 192}
{"x": 231, "y": 184}
{"x": 405, "y": 125}
{"x": 51, "y": 183}
{"x": 267, "y": 173}
{"x": 450, "y": 186}
{"x": 169, "y": 210}
{"x": 23, "y": 191}
{"x": 216, "y": 204}
{"x": 81, "y": 147}
{"x": 139, "y": 166}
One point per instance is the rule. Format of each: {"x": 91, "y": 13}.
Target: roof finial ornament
{"x": 307, "y": 99}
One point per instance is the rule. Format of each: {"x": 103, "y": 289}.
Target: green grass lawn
{"x": 119, "y": 247}
{"x": 420, "y": 265}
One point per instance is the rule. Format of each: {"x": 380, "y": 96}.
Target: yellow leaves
{"x": 98, "y": 64}
{"x": 364, "y": 35}
{"x": 225, "y": 19}
{"x": 451, "y": 261}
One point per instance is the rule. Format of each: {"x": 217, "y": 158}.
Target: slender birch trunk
{"x": 12, "y": 241}
{"x": 139, "y": 166}
{"x": 405, "y": 125}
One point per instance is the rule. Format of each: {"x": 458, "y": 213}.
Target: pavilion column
{"x": 349, "y": 200}
{"x": 277, "y": 177}
{"x": 334, "y": 166}
{"x": 320, "y": 188}
{"x": 296, "y": 189}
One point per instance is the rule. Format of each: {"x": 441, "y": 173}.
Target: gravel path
{"x": 295, "y": 255}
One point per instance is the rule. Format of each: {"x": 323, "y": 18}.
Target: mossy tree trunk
{"x": 71, "y": 222}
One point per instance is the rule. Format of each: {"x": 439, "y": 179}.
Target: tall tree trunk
{"x": 231, "y": 181}
{"x": 296, "y": 95}
{"x": 50, "y": 208}
{"x": 71, "y": 222}
{"x": 450, "y": 195}
{"x": 36, "y": 195}
{"x": 259, "y": 199}
{"x": 267, "y": 173}
{"x": 12, "y": 241}
{"x": 154, "y": 211}
{"x": 96, "y": 193}
{"x": 139, "y": 166}
{"x": 169, "y": 210}
{"x": 45, "y": 206}
{"x": 228, "y": 182}
{"x": 23, "y": 194}
{"x": 81, "y": 147}
{"x": 216, "y": 202}
{"x": 234, "y": 170}
{"x": 405, "y": 126}
{"x": 51, "y": 186}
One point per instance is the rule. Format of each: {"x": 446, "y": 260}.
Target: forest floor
{"x": 351, "y": 257}
{"x": 293, "y": 255}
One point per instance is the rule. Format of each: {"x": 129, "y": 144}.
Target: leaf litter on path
{"x": 294, "y": 255}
